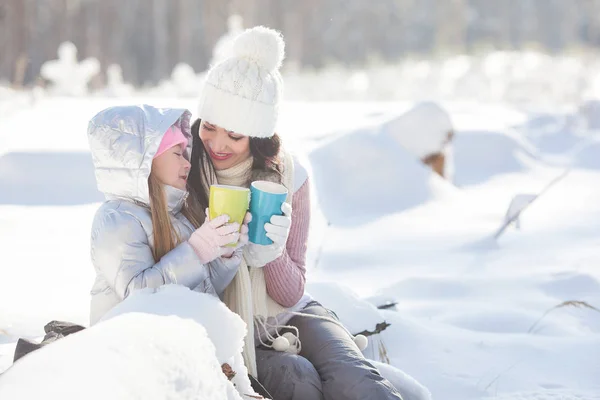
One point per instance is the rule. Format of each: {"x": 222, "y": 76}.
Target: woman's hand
{"x": 278, "y": 230}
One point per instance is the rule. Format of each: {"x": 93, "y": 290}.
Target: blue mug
{"x": 266, "y": 199}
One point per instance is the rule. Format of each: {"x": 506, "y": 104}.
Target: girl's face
{"x": 172, "y": 168}
{"x": 225, "y": 148}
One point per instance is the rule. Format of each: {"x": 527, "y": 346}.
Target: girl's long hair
{"x": 166, "y": 237}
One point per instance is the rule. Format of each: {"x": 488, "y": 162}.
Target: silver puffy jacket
{"x": 123, "y": 141}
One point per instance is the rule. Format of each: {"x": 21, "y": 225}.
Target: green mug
{"x": 230, "y": 200}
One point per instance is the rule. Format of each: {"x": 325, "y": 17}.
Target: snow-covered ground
{"x": 167, "y": 343}
{"x": 467, "y": 323}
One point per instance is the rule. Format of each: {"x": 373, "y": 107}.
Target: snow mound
{"x": 423, "y": 130}
{"x": 589, "y": 112}
{"x": 481, "y": 155}
{"x": 552, "y": 134}
{"x": 366, "y": 174}
{"x": 29, "y": 178}
{"x": 588, "y": 157}
{"x": 134, "y": 356}
{"x": 224, "y": 328}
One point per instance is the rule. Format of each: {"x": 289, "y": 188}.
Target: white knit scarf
{"x": 247, "y": 294}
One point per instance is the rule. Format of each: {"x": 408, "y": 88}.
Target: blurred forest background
{"x": 147, "y": 38}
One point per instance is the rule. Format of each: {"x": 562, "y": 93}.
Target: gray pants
{"x": 329, "y": 367}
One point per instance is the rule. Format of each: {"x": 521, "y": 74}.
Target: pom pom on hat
{"x": 262, "y": 45}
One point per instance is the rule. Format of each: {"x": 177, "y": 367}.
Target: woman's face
{"x": 225, "y": 148}
{"x": 172, "y": 168}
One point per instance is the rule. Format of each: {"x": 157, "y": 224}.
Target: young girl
{"x": 318, "y": 358}
{"x": 150, "y": 232}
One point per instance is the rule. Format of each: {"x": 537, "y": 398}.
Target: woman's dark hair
{"x": 264, "y": 150}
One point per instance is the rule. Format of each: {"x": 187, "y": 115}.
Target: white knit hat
{"x": 242, "y": 93}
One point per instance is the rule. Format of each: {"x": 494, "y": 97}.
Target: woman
{"x": 238, "y": 109}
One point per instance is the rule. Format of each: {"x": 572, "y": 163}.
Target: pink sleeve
{"x": 285, "y": 276}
